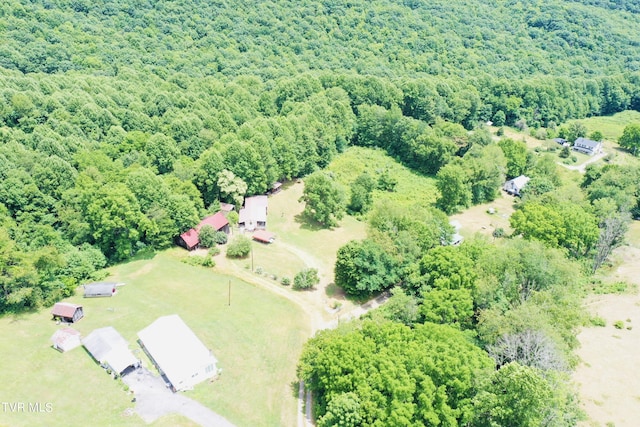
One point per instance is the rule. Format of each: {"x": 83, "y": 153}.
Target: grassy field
{"x": 286, "y": 220}
{"x": 610, "y": 126}
{"x": 257, "y": 340}
{"x": 412, "y": 189}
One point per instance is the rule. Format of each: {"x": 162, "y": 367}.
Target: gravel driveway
{"x": 154, "y": 400}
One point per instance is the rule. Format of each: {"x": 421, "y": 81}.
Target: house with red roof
{"x": 190, "y": 239}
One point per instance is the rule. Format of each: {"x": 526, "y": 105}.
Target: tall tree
{"x": 324, "y": 199}
{"x": 452, "y": 184}
{"x": 630, "y": 138}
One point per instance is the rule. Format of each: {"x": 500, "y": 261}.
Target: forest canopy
{"x": 124, "y": 123}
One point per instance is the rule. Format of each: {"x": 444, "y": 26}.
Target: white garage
{"x": 177, "y": 353}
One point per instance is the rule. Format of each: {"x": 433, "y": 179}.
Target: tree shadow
{"x": 308, "y": 223}
{"x": 142, "y": 255}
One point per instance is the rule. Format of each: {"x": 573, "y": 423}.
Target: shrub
{"x": 259, "y": 270}
{"x": 206, "y": 235}
{"x": 208, "y": 262}
{"x": 239, "y": 247}
{"x": 306, "y": 279}
{"x": 565, "y": 153}
{"x": 500, "y": 131}
{"x": 232, "y": 217}
{"x": 618, "y": 324}
{"x": 498, "y": 232}
{"x": 597, "y": 321}
{"x": 285, "y": 281}
{"x": 214, "y": 251}
{"x": 220, "y": 237}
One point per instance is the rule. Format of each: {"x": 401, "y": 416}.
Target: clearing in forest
{"x": 257, "y": 341}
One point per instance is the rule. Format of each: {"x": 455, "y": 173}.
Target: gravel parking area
{"x": 154, "y": 400}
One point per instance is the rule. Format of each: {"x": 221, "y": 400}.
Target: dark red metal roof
{"x": 217, "y": 221}
{"x": 64, "y": 309}
{"x": 263, "y": 236}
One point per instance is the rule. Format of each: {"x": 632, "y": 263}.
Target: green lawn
{"x": 285, "y": 219}
{"x": 257, "y": 341}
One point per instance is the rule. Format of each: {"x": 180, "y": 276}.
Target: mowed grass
{"x": 257, "y": 341}
{"x": 286, "y": 220}
{"x": 272, "y": 260}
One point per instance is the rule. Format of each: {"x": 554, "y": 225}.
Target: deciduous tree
{"x": 324, "y": 199}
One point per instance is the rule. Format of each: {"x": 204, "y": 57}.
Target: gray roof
{"x": 585, "y": 142}
{"x": 99, "y": 288}
{"x": 107, "y": 346}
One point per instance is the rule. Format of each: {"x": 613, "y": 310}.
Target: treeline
{"x": 122, "y": 163}
{"x": 273, "y": 38}
{"x": 468, "y": 328}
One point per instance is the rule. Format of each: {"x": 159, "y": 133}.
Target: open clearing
{"x": 257, "y": 340}
{"x": 608, "y": 380}
{"x": 477, "y": 219}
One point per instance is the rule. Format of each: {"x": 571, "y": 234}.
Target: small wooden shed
{"x": 67, "y": 312}
{"x": 263, "y": 236}
{"x": 66, "y": 339}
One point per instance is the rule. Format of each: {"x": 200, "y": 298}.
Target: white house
{"x": 178, "y": 354}
{"x": 515, "y": 185}
{"x": 254, "y": 214}
{"x": 587, "y": 146}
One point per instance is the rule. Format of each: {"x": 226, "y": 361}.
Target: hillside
{"x": 124, "y": 123}
{"x": 277, "y": 38}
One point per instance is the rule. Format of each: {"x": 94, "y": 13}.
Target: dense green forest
{"x": 123, "y": 123}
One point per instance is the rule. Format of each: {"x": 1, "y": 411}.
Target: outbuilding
{"x": 191, "y": 239}
{"x": 67, "y": 312}
{"x": 110, "y": 350}
{"x": 263, "y": 236}
{"x": 100, "y": 289}
{"x": 180, "y": 357}
{"x": 66, "y": 339}
{"x": 514, "y": 186}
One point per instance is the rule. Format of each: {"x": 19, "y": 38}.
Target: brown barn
{"x": 67, "y": 312}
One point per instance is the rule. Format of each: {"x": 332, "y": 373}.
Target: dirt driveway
{"x": 154, "y": 400}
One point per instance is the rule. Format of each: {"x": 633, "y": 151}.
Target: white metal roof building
{"x": 177, "y": 353}
{"x": 108, "y": 347}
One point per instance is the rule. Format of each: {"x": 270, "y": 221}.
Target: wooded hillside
{"x": 123, "y": 123}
